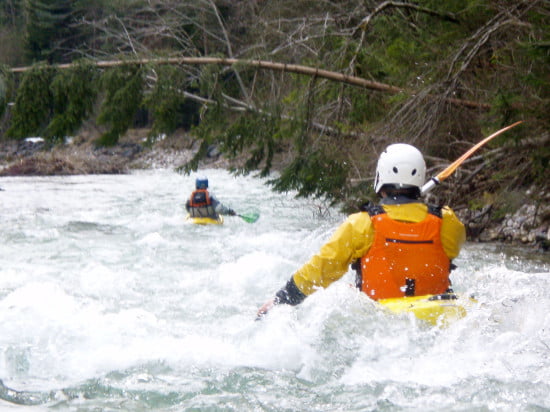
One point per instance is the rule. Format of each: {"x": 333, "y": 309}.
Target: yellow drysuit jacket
{"x": 354, "y": 237}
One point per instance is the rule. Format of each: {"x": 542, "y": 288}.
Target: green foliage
{"x": 505, "y": 107}
{"x": 33, "y": 104}
{"x": 47, "y": 26}
{"x": 401, "y": 49}
{"x": 53, "y": 103}
{"x": 123, "y": 88}
{"x": 253, "y": 132}
{"x": 257, "y": 134}
{"x": 366, "y": 107}
{"x": 313, "y": 174}
{"x": 536, "y": 57}
{"x": 10, "y": 13}
{"x": 167, "y": 103}
{"x": 209, "y": 81}
{"x": 74, "y": 92}
{"x": 398, "y": 53}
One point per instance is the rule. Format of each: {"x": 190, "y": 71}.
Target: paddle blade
{"x": 250, "y": 217}
{"x": 453, "y": 166}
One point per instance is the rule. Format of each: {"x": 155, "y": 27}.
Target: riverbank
{"x": 527, "y": 225}
{"x": 33, "y": 157}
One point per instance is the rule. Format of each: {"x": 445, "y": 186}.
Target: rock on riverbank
{"x": 33, "y": 156}
{"x": 528, "y": 225}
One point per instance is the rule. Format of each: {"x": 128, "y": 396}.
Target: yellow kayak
{"x": 434, "y": 309}
{"x": 205, "y": 220}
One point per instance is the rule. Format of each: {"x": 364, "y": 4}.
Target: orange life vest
{"x": 406, "y": 258}
{"x": 201, "y": 205}
{"x": 200, "y": 198}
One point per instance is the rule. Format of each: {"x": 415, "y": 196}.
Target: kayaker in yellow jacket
{"x": 401, "y": 247}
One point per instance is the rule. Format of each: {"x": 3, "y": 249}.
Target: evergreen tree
{"x": 10, "y": 12}
{"x": 73, "y": 93}
{"x": 33, "y": 104}
{"x": 123, "y": 87}
{"x": 47, "y": 29}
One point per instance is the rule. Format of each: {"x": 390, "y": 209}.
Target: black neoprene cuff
{"x": 290, "y": 294}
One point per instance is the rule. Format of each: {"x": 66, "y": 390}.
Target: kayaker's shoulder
{"x": 358, "y": 220}
{"x": 447, "y": 211}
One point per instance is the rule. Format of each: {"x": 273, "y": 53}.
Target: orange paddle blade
{"x": 453, "y": 166}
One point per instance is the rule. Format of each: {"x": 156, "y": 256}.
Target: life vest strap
{"x": 435, "y": 210}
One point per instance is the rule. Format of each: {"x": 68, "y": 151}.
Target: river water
{"x": 109, "y": 301}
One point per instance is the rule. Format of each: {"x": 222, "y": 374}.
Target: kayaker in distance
{"x": 204, "y": 204}
{"x": 400, "y": 247}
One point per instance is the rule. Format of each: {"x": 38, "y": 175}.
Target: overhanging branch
{"x": 263, "y": 64}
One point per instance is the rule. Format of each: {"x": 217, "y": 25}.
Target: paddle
{"x": 249, "y": 217}
{"x": 434, "y": 181}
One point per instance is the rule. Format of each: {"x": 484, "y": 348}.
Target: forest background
{"x": 314, "y": 89}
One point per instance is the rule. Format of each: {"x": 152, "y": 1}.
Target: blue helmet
{"x": 201, "y": 183}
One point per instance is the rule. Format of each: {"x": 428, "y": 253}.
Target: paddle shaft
{"x": 449, "y": 170}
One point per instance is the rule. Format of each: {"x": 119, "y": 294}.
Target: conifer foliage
{"x": 74, "y": 93}
{"x": 47, "y": 28}
{"x": 33, "y": 103}
{"x": 123, "y": 88}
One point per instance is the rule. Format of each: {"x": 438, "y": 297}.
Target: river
{"x": 110, "y": 300}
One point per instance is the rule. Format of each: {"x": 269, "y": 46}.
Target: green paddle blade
{"x": 250, "y": 217}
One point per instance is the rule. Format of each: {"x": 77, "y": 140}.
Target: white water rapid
{"x": 109, "y": 301}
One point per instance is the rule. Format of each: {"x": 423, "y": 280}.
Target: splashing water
{"x": 110, "y": 300}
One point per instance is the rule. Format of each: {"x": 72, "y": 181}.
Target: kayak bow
{"x": 435, "y": 309}
{"x": 205, "y": 220}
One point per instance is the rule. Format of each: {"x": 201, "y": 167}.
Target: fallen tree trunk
{"x": 263, "y": 64}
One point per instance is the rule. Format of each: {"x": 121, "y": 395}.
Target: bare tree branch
{"x": 229, "y": 49}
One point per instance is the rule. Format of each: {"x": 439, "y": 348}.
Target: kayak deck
{"x": 205, "y": 220}
{"x": 434, "y": 309}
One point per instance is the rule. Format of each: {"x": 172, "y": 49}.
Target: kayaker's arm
{"x": 350, "y": 241}
{"x": 453, "y": 233}
{"x": 220, "y": 208}
{"x": 289, "y": 295}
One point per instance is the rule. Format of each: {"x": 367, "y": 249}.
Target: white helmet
{"x": 401, "y": 165}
